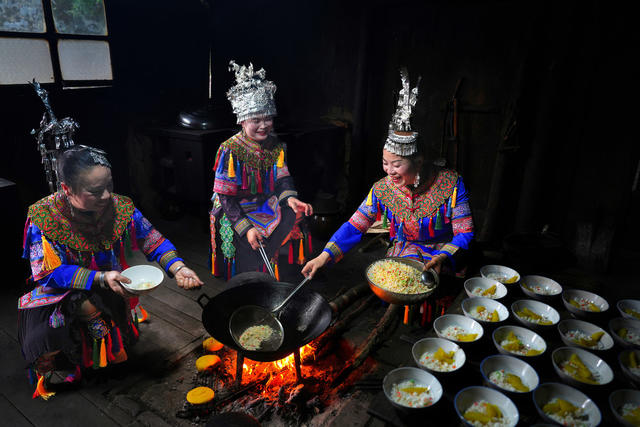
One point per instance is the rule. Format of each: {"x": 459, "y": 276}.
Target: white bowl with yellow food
{"x": 629, "y": 362}
{"x": 625, "y": 405}
{"x": 485, "y": 310}
{"x": 629, "y": 308}
{"x": 540, "y": 288}
{"x": 578, "y": 333}
{"x": 562, "y": 404}
{"x": 482, "y": 406}
{"x": 535, "y": 315}
{"x": 397, "y": 280}
{"x": 411, "y": 389}
{"x": 509, "y": 374}
{"x": 144, "y": 278}
{"x": 625, "y": 332}
{"x": 438, "y": 355}
{"x": 458, "y": 328}
{"x": 581, "y": 368}
{"x": 483, "y": 287}
{"x": 518, "y": 341}
{"x": 584, "y": 304}
{"x": 505, "y": 275}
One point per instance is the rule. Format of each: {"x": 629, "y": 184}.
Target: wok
{"x": 303, "y": 319}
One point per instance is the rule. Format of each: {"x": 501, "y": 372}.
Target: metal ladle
{"x": 252, "y": 315}
{"x": 428, "y": 277}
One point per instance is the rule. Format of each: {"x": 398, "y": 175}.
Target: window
{"x": 54, "y": 41}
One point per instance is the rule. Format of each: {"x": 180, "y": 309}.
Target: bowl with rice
{"x": 438, "y": 355}
{"x": 535, "y": 315}
{"x": 581, "y": 368}
{"x": 540, "y": 288}
{"x": 629, "y": 362}
{"x": 458, "y": 328}
{"x": 483, "y": 406}
{"x": 625, "y": 332}
{"x": 562, "y": 404}
{"x": 629, "y": 308}
{"x": 144, "y": 278}
{"x": 584, "y": 304}
{"x": 518, "y": 341}
{"x": 488, "y": 312}
{"x": 396, "y": 280}
{"x": 625, "y": 405}
{"x": 509, "y": 374}
{"x": 505, "y": 275}
{"x": 578, "y": 333}
{"x": 411, "y": 389}
{"x": 483, "y": 287}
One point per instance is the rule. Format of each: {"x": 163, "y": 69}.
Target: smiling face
{"x": 94, "y": 190}
{"x": 399, "y": 168}
{"x": 258, "y": 128}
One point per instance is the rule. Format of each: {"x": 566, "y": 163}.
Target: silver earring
{"x": 417, "y": 181}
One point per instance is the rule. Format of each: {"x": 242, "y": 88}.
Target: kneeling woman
{"x": 78, "y": 315}
{"x": 425, "y": 207}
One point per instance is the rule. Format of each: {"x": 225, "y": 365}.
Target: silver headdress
{"x": 53, "y": 137}
{"x": 252, "y": 95}
{"x": 401, "y": 139}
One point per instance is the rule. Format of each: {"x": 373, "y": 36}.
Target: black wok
{"x": 303, "y": 319}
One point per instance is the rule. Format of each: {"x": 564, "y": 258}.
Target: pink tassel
{"x": 26, "y": 230}
{"x": 93, "y": 265}
{"x": 271, "y": 184}
{"x": 123, "y": 260}
{"x": 431, "y": 232}
{"x": 245, "y": 183}
{"x": 310, "y": 245}
{"x": 290, "y": 259}
{"x": 134, "y": 239}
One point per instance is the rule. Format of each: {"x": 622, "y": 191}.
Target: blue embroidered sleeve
{"x": 462, "y": 224}
{"x": 153, "y": 244}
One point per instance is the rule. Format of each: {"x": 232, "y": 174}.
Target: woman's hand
{"x": 310, "y": 268}
{"x": 436, "y": 262}
{"x": 299, "y": 206}
{"x": 113, "y": 278}
{"x": 254, "y": 237}
{"x": 187, "y": 278}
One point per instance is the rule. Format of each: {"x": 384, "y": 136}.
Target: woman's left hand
{"x": 299, "y": 206}
{"x": 188, "y": 279}
{"x": 436, "y": 262}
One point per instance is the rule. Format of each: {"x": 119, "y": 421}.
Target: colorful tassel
{"x": 378, "y": 215}
{"x": 123, "y": 260}
{"x": 301, "y": 253}
{"x": 217, "y": 162}
{"x": 228, "y": 269}
{"x": 369, "y": 198}
{"x": 134, "y": 238}
{"x": 103, "y": 354}
{"x": 276, "y": 272}
{"x": 406, "y": 315}
{"x": 290, "y": 258}
{"x": 94, "y": 264}
{"x": 213, "y": 263}
{"x": 245, "y": 183}
{"x": 134, "y": 329}
{"x": 127, "y": 244}
{"x": 109, "y": 342}
{"x": 445, "y": 213}
{"x": 392, "y": 229}
{"x": 431, "y": 232}
{"x": 385, "y": 222}
{"x": 233, "y": 267}
{"x": 280, "y": 159}
{"x": 220, "y": 168}
{"x": 259, "y": 178}
{"x": 310, "y": 245}
{"x": 41, "y": 391}
{"x": 253, "y": 182}
{"x": 454, "y": 197}
{"x": 272, "y": 174}
{"x": 51, "y": 261}
{"x": 439, "y": 224}
{"x": 87, "y": 361}
{"x": 231, "y": 170}
{"x": 400, "y": 232}
{"x": 449, "y": 209}
{"x": 95, "y": 358}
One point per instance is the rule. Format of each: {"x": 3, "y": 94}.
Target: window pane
{"x": 84, "y": 60}
{"x": 21, "y": 15}
{"x": 23, "y": 60}
{"x": 79, "y": 17}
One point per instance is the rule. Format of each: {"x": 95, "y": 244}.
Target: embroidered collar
{"x": 399, "y": 200}
{"x": 48, "y": 215}
{"x": 252, "y": 153}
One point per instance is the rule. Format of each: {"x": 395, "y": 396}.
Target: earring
{"x": 417, "y": 181}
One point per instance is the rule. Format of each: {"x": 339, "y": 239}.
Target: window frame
{"x": 52, "y": 37}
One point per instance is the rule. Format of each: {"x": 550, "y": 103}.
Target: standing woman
{"x": 426, "y": 207}
{"x": 254, "y": 198}
{"x": 78, "y": 315}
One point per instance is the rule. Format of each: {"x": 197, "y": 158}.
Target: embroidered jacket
{"x": 435, "y": 222}
{"x": 62, "y": 260}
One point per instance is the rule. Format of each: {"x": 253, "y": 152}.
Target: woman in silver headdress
{"x": 254, "y": 198}
{"x": 426, "y": 208}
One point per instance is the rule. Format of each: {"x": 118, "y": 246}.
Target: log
{"x": 338, "y": 303}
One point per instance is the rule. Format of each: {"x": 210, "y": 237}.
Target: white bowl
{"x": 466, "y": 397}
{"x": 598, "y": 367}
{"x": 399, "y": 375}
{"x": 511, "y": 365}
{"x": 632, "y": 304}
{"x": 431, "y": 345}
{"x": 618, "y": 323}
{"x": 540, "y": 287}
{"x": 577, "y": 294}
{"x": 470, "y": 305}
{"x": 568, "y": 325}
{"x": 624, "y": 363}
{"x": 526, "y": 336}
{"x": 469, "y": 325}
{"x": 549, "y": 391}
{"x": 618, "y": 399}
{"x": 539, "y": 308}
{"x": 144, "y": 278}
{"x": 474, "y": 286}
{"x": 500, "y": 273}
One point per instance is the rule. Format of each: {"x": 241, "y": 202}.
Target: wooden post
{"x": 239, "y": 367}
{"x": 296, "y": 362}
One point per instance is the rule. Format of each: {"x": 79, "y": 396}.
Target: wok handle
{"x": 306, "y": 279}
{"x": 203, "y": 296}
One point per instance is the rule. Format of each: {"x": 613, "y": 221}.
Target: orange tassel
{"x": 213, "y": 263}
{"x": 51, "y": 261}
{"x": 301, "y": 253}
{"x": 232, "y": 171}
{"x": 277, "y": 273}
{"x": 406, "y": 314}
{"x": 41, "y": 391}
{"x": 103, "y": 354}
{"x": 143, "y": 314}
{"x": 454, "y": 197}
{"x": 281, "y": 159}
